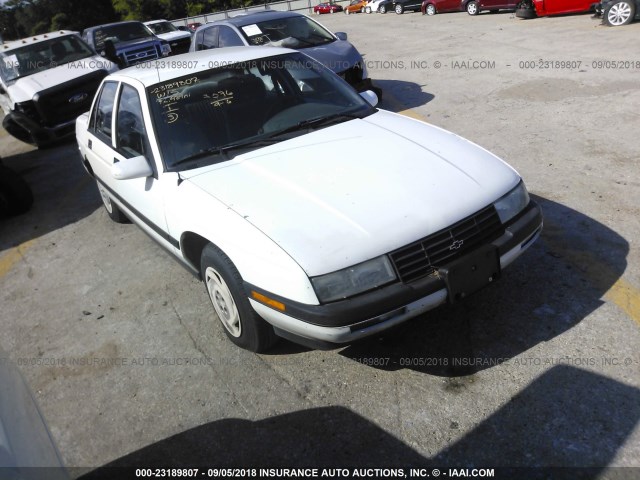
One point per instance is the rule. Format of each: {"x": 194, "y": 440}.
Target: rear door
{"x": 566, "y": 6}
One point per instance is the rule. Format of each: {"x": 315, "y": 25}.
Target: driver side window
{"x": 101, "y": 119}
{"x": 131, "y": 136}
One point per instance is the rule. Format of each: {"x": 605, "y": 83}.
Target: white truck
{"x": 46, "y": 81}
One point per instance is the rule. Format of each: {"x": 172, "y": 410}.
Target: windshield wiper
{"x": 317, "y": 122}
{"x": 302, "y": 40}
{"x": 196, "y": 156}
{"x": 225, "y": 149}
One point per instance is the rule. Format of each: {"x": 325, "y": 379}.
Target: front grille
{"x": 139, "y": 55}
{"x": 64, "y": 102}
{"x": 422, "y": 258}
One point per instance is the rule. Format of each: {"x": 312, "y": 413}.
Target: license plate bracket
{"x": 471, "y": 272}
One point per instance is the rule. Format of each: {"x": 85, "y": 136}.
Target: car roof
{"x": 251, "y": 18}
{"x": 5, "y": 47}
{"x": 110, "y": 24}
{"x": 156, "y": 71}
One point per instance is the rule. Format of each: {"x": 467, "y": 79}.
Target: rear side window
{"x": 228, "y": 38}
{"x": 209, "y": 39}
{"x": 103, "y": 114}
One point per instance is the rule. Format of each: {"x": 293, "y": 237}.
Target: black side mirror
{"x": 110, "y": 52}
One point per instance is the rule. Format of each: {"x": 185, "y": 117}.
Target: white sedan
{"x": 308, "y": 213}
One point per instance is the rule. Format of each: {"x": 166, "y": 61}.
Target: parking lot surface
{"x": 122, "y": 351}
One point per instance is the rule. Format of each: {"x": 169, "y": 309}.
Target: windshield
{"x": 291, "y": 32}
{"x": 123, "y": 32}
{"x": 207, "y": 117}
{"x": 162, "y": 27}
{"x": 34, "y": 58}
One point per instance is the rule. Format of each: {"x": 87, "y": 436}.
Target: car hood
{"x": 25, "y": 88}
{"x": 353, "y": 191}
{"x": 133, "y": 43}
{"x": 172, "y": 36}
{"x": 338, "y": 56}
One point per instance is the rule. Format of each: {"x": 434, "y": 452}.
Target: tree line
{"x": 21, "y": 18}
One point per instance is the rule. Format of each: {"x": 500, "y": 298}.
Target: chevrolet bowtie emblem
{"x": 456, "y": 244}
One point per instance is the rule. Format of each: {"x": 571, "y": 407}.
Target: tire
{"x": 399, "y": 9}
{"x": 223, "y": 284}
{"x": 431, "y": 9}
{"x": 383, "y": 9}
{"x": 618, "y": 14}
{"x": 362, "y": 10}
{"x": 15, "y": 195}
{"x": 112, "y": 209}
{"x": 346, "y": 11}
{"x": 367, "y": 10}
{"x": 472, "y": 8}
{"x": 525, "y": 11}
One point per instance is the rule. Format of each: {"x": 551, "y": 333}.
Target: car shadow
{"x": 63, "y": 193}
{"x": 546, "y": 292}
{"x": 411, "y": 94}
{"x": 562, "y": 419}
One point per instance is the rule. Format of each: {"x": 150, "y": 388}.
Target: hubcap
{"x": 398, "y": 9}
{"x": 223, "y": 302}
{"x": 619, "y": 13}
{"x": 431, "y": 10}
{"x": 106, "y": 199}
{"x": 472, "y": 8}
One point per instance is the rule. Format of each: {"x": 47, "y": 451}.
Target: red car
{"x": 541, "y": 8}
{"x": 327, "y": 8}
{"x": 472, "y": 7}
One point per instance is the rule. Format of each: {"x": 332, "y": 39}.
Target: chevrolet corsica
{"x": 308, "y": 213}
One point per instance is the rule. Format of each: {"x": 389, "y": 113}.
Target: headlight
{"x": 353, "y": 280}
{"x": 512, "y": 203}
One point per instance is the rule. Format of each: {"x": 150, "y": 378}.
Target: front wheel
{"x": 367, "y": 10}
{"x": 431, "y": 9}
{"x": 399, "y": 9}
{"x": 241, "y": 323}
{"x": 382, "y": 9}
{"x": 620, "y": 13}
{"x": 112, "y": 209}
{"x": 472, "y": 8}
{"x": 346, "y": 11}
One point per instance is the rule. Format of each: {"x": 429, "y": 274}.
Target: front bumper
{"x": 28, "y": 130}
{"x": 370, "y": 313}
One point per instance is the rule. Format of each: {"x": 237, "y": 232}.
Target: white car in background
{"x": 308, "y": 213}
{"x": 179, "y": 40}
{"x": 374, "y": 6}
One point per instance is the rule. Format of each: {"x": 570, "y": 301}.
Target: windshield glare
{"x": 40, "y": 56}
{"x": 292, "y": 32}
{"x": 123, "y": 32}
{"x": 249, "y": 102}
{"x": 162, "y": 27}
